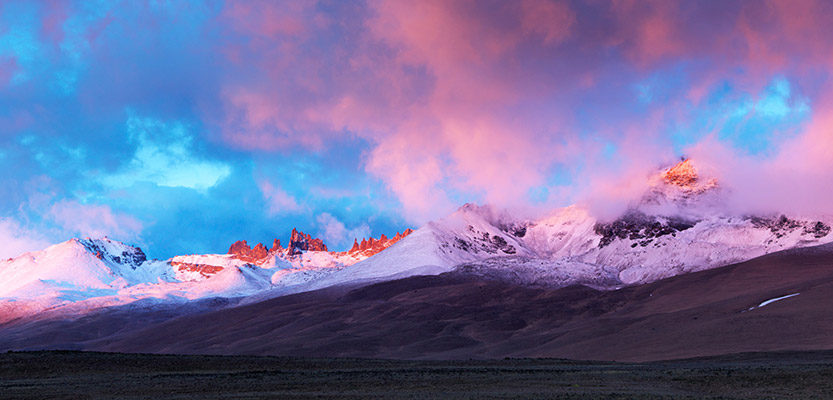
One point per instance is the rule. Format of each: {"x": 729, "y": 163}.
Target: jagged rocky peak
{"x": 239, "y": 247}
{"x": 300, "y": 241}
{"x": 681, "y": 185}
{"x": 685, "y": 175}
{"x": 372, "y": 246}
{"x": 242, "y": 251}
{"x": 276, "y": 245}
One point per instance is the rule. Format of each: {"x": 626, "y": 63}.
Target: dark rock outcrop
{"x": 639, "y": 227}
{"x": 480, "y": 241}
{"x": 133, "y": 256}
{"x": 818, "y": 230}
{"x": 300, "y": 241}
{"x": 783, "y": 226}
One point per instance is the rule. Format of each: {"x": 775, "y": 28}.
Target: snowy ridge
{"x": 676, "y": 228}
{"x": 77, "y": 263}
{"x": 83, "y": 274}
{"x": 468, "y": 234}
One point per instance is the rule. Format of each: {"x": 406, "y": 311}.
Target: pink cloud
{"x": 414, "y": 179}
{"x": 278, "y": 201}
{"x": 553, "y": 20}
{"x": 56, "y": 14}
{"x": 797, "y": 180}
{"x": 336, "y": 235}
{"x": 648, "y": 30}
{"x": 465, "y": 139}
{"x": 268, "y": 19}
{"x": 8, "y": 66}
{"x": 478, "y": 99}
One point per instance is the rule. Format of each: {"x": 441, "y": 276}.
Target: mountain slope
{"x": 678, "y": 226}
{"x": 437, "y": 247}
{"x": 460, "y": 316}
{"x": 85, "y": 264}
{"x": 80, "y": 275}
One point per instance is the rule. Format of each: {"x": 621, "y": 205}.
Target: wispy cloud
{"x": 278, "y": 201}
{"x": 95, "y": 220}
{"x": 16, "y": 240}
{"x": 336, "y": 235}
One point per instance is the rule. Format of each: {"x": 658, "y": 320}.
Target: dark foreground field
{"x": 81, "y": 375}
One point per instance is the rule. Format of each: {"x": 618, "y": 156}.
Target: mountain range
{"x": 675, "y": 275}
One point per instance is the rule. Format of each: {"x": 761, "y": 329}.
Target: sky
{"x": 182, "y": 126}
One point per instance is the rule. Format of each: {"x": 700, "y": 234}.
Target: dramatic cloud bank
{"x": 193, "y": 124}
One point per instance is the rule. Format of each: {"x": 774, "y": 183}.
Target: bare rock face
{"x": 241, "y": 250}
{"x": 239, "y": 247}
{"x": 300, "y": 241}
{"x": 259, "y": 251}
{"x": 683, "y": 174}
{"x": 371, "y": 246}
{"x": 130, "y": 256}
{"x": 640, "y": 228}
{"x": 680, "y": 184}
{"x": 204, "y": 270}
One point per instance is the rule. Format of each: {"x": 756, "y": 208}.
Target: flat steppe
{"x": 90, "y": 375}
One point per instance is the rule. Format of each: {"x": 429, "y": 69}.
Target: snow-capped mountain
{"x": 81, "y": 265}
{"x": 82, "y": 274}
{"x": 678, "y": 226}
{"x": 89, "y": 271}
